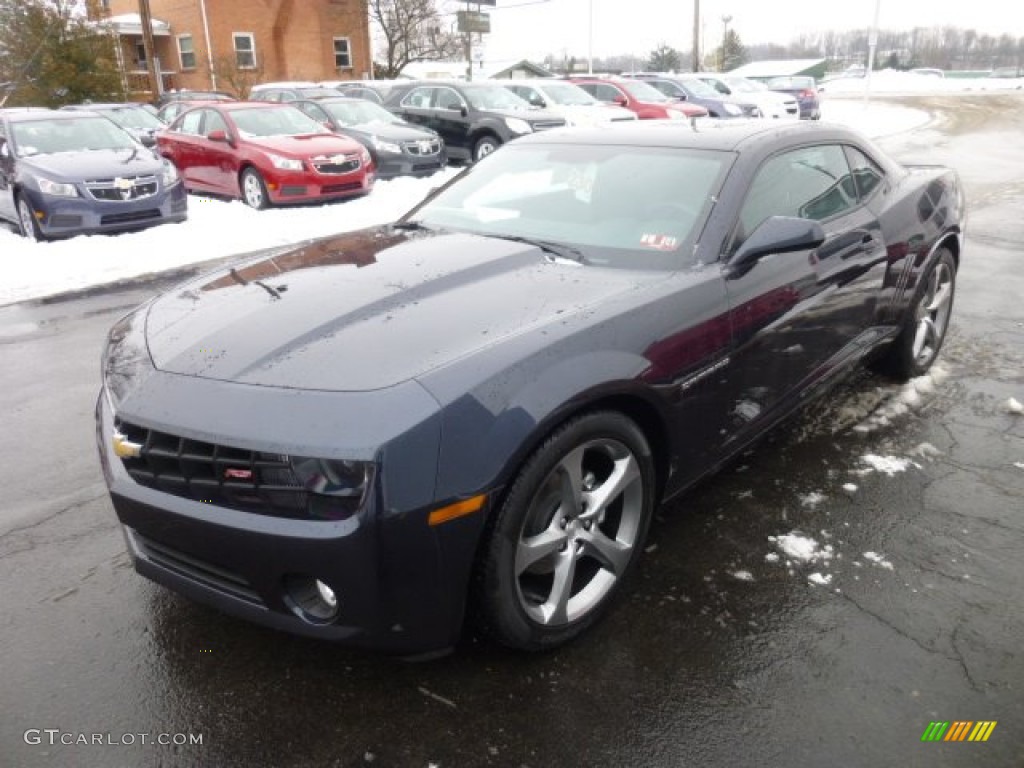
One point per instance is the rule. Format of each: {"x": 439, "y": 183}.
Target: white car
{"x": 771, "y": 103}
{"x": 570, "y": 101}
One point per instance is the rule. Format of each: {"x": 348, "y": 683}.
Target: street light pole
{"x": 696, "y": 35}
{"x": 872, "y": 44}
{"x": 725, "y": 39}
{"x": 149, "y": 48}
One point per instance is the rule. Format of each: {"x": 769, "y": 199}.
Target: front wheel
{"x": 254, "y": 191}
{"x": 484, "y": 147}
{"x": 918, "y": 344}
{"x": 27, "y": 224}
{"x": 568, "y": 533}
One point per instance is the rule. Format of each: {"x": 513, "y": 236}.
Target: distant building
{"x": 228, "y": 44}
{"x": 762, "y": 70}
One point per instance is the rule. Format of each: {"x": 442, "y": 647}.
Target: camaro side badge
{"x": 125, "y": 448}
{"x": 685, "y": 384}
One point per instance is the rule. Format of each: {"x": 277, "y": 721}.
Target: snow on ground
{"x": 804, "y": 549}
{"x": 891, "y": 81}
{"x": 887, "y": 465}
{"x": 214, "y": 228}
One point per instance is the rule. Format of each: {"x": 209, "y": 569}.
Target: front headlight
{"x": 57, "y": 188}
{"x": 731, "y": 109}
{"x": 518, "y": 126}
{"x": 337, "y": 488}
{"x": 285, "y": 163}
{"x": 386, "y": 146}
{"x": 169, "y": 174}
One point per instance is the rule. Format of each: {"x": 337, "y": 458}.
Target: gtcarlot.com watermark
{"x": 55, "y": 736}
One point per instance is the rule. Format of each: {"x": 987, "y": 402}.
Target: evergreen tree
{"x": 664, "y": 58}
{"x": 50, "y": 55}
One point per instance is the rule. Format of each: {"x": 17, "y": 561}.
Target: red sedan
{"x": 265, "y": 154}
{"x": 646, "y": 101}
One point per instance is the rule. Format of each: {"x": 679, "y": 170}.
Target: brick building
{"x": 230, "y": 45}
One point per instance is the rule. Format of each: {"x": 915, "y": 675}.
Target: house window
{"x": 186, "y": 52}
{"x": 245, "y": 50}
{"x": 140, "y": 55}
{"x": 342, "y": 53}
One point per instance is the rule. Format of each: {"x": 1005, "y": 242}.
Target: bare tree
{"x": 235, "y": 79}
{"x": 412, "y": 30}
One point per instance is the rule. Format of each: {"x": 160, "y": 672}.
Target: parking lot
{"x": 819, "y": 602}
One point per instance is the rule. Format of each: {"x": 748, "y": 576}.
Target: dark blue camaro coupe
{"x": 473, "y": 413}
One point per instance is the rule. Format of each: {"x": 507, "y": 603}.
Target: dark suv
{"x": 474, "y": 119}
{"x": 63, "y": 173}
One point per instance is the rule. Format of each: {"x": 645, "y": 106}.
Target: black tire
{"x": 484, "y": 146}
{"x": 254, "y": 190}
{"x": 917, "y": 346}
{"x": 568, "y": 533}
{"x": 27, "y": 224}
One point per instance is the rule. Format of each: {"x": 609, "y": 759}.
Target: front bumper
{"x": 304, "y": 187}
{"x": 65, "y": 217}
{"x": 393, "y": 164}
{"x": 400, "y": 583}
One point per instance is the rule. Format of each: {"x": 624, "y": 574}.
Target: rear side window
{"x": 866, "y": 174}
{"x": 808, "y": 183}
{"x": 418, "y": 98}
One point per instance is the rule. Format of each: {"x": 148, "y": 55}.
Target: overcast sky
{"x": 638, "y": 26}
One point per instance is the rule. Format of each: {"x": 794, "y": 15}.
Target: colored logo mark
{"x": 959, "y": 730}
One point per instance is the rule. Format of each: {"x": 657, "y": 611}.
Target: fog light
{"x": 327, "y": 594}
{"x": 311, "y": 599}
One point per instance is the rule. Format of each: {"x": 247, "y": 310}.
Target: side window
{"x": 446, "y": 98}
{"x": 590, "y": 88}
{"x": 191, "y": 122}
{"x": 866, "y": 174}
{"x": 607, "y": 92}
{"x": 809, "y": 183}
{"x": 214, "y": 122}
{"x": 313, "y": 111}
{"x": 417, "y": 98}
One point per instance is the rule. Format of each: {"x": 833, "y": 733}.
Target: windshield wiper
{"x": 410, "y": 226}
{"x": 559, "y": 250}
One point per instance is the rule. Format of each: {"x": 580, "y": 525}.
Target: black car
{"x": 64, "y": 173}
{"x": 371, "y": 90}
{"x": 475, "y": 411}
{"x": 134, "y": 118}
{"x": 398, "y": 148}
{"x": 696, "y": 91}
{"x": 474, "y": 119}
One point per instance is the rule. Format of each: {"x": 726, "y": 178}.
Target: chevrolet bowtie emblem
{"x": 125, "y": 448}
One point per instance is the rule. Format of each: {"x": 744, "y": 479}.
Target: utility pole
{"x": 696, "y": 35}
{"x": 725, "y": 41}
{"x": 147, "y": 45}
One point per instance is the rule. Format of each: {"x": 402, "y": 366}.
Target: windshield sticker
{"x": 660, "y": 242}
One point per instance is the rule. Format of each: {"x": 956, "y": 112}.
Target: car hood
{"x": 94, "y": 164}
{"x": 390, "y": 131}
{"x": 368, "y": 309}
{"x": 310, "y": 145}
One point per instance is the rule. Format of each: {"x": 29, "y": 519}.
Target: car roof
{"x": 108, "y": 105}
{"x": 29, "y": 115}
{"x": 723, "y": 135}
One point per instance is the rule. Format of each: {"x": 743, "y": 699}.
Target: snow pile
{"x": 214, "y": 228}
{"x": 822, "y": 580}
{"x": 803, "y": 549}
{"x": 850, "y": 488}
{"x": 894, "y": 402}
{"x": 812, "y": 499}
{"x": 888, "y": 465}
{"x": 1014, "y": 406}
{"x": 742, "y": 575}
{"x": 891, "y": 81}
{"x": 876, "y": 559}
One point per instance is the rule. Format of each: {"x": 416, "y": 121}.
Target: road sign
{"x": 473, "y": 21}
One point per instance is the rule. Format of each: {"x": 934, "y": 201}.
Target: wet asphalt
{"x": 715, "y": 656}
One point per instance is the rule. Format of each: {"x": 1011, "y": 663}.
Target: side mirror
{"x": 619, "y": 101}
{"x": 4, "y": 150}
{"x": 220, "y": 136}
{"x": 537, "y": 101}
{"x": 778, "y": 234}
{"x": 463, "y": 111}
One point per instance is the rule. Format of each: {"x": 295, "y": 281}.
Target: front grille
{"x": 330, "y": 189}
{"x": 423, "y": 148}
{"x": 543, "y": 125}
{"x": 207, "y": 574}
{"x": 129, "y": 218}
{"x": 334, "y": 166}
{"x": 236, "y": 478}
{"x": 122, "y": 189}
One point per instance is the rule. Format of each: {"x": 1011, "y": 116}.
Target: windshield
{"x": 274, "y": 121}
{"x": 568, "y": 95}
{"x": 643, "y": 92}
{"x": 701, "y": 89}
{"x": 743, "y": 85}
{"x": 359, "y": 113}
{"x": 47, "y": 137}
{"x": 621, "y": 206}
{"x": 133, "y": 117}
{"x": 494, "y": 97}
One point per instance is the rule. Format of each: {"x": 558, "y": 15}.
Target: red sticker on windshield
{"x": 660, "y": 242}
